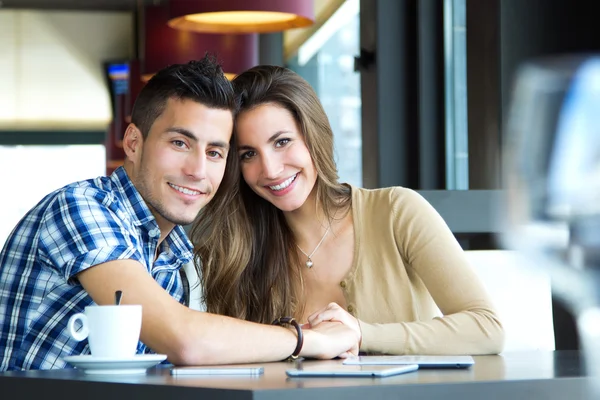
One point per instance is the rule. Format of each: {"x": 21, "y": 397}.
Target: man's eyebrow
{"x": 220, "y": 144}
{"x": 270, "y": 140}
{"x": 189, "y": 134}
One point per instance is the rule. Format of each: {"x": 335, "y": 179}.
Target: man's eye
{"x": 179, "y": 143}
{"x": 215, "y": 154}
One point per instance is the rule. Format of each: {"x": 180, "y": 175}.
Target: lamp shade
{"x": 164, "y": 46}
{"x": 240, "y": 16}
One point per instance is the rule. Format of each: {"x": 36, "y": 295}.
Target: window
{"x": 326, "y": 61}
{"x": 31, "y": 172}
{"x": 457, "y": 145}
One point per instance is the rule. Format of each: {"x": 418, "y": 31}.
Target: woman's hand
{"x": 328, "y": 340}
{"x": 333, "y": 312}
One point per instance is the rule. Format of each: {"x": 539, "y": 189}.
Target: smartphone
{"x": 181, "y": 371}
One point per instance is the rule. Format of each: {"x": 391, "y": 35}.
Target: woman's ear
{"x": 132, "y": 141}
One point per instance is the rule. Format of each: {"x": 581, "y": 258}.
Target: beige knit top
{"x": 407, "y": 268}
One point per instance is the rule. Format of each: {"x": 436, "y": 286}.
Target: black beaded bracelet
{"x": 289, "y": 320}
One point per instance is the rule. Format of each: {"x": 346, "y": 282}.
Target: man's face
{"x": 178, "y": 168}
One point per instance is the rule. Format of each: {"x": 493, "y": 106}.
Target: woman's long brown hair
{"x": 245, "y": 251}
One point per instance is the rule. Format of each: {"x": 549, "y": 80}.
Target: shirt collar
{"x": 180, "y": 244}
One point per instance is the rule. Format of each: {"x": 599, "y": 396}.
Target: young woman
{"x": 294, "y": 241}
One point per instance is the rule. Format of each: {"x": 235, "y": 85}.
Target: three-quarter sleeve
{"x": 469, "y": 324}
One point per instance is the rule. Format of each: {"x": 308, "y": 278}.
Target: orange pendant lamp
{"x": 164, "y": 46}
{"x": 240, "y": 16}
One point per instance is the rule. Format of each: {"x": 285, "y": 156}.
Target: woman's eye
{"x": 247, "y": 155}
{"x": 214, "y": 154}
{"x": 282, "y": 142}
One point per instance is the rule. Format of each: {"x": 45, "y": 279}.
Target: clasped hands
{"x": 333, "y": 312}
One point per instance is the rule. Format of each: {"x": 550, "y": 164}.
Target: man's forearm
{"x": 204, "y": 338}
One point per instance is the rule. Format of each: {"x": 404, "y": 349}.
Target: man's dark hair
{"x": 201, "y": 81}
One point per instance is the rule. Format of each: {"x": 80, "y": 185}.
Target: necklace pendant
{"x": 309, "y": 263}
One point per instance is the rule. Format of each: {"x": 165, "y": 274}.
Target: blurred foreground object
{"x": 552, "y": 180}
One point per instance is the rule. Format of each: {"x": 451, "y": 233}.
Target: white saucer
{"x": 137, "y": 364}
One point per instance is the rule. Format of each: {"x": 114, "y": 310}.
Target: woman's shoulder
{"x": 401, "y": 202}
{"x": 392, "y": 195}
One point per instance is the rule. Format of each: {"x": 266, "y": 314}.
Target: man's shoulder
{"x": 100, "y": 184}
{"x": 83, "y": 200}
{"x": 97, "y": 189}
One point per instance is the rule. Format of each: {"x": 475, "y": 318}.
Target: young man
{"x": 88, "y": 239}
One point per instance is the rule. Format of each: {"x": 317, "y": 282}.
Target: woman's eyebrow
{"x": 270, "y": 140}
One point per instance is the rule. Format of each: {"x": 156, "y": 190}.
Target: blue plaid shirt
{"x": 74, "y": 228}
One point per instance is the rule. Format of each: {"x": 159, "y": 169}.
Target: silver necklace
{"x": 309, "y": 262}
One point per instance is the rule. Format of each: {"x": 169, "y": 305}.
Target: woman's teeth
{"x": 284, "y": 184}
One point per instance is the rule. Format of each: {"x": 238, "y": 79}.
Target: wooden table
{"x": 522, "y": 375}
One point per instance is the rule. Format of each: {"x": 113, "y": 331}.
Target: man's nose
{"x": 196, "y": 166}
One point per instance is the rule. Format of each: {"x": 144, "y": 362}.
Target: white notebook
{"x": 422, "y": 361}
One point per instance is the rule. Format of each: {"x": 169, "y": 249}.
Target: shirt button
{"x": 350, "y": 308}
{"x": 154, "y": 232}
{"x": 343, "y": 284}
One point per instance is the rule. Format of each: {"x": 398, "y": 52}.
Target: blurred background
{"x": 417, "y": 92}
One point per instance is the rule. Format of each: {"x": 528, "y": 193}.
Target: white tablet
{"x": 370, "y": 371}
{"x": 422, "y": 361}
{"x": 180, "y": 371}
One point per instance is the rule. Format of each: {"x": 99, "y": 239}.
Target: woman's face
{"x": 274, "y": 159}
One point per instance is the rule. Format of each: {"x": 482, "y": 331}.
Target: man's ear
{"x": 132, "y": 141}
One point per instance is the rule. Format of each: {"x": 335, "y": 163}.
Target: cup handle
{"x": 84, "y": 332}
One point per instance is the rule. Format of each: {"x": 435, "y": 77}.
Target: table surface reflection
{"x": 539, "y": 375}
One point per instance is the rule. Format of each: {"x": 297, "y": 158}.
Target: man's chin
{"x": 180, "y": 223}
{"x": 183, "y": 220}
{"x": 180, "y": 219}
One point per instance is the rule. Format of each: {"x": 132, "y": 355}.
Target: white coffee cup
{"x": 112, "y": 331}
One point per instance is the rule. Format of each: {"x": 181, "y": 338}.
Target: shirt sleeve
{"x": 85, "y": 227}
{"x": 469, "y": 324}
